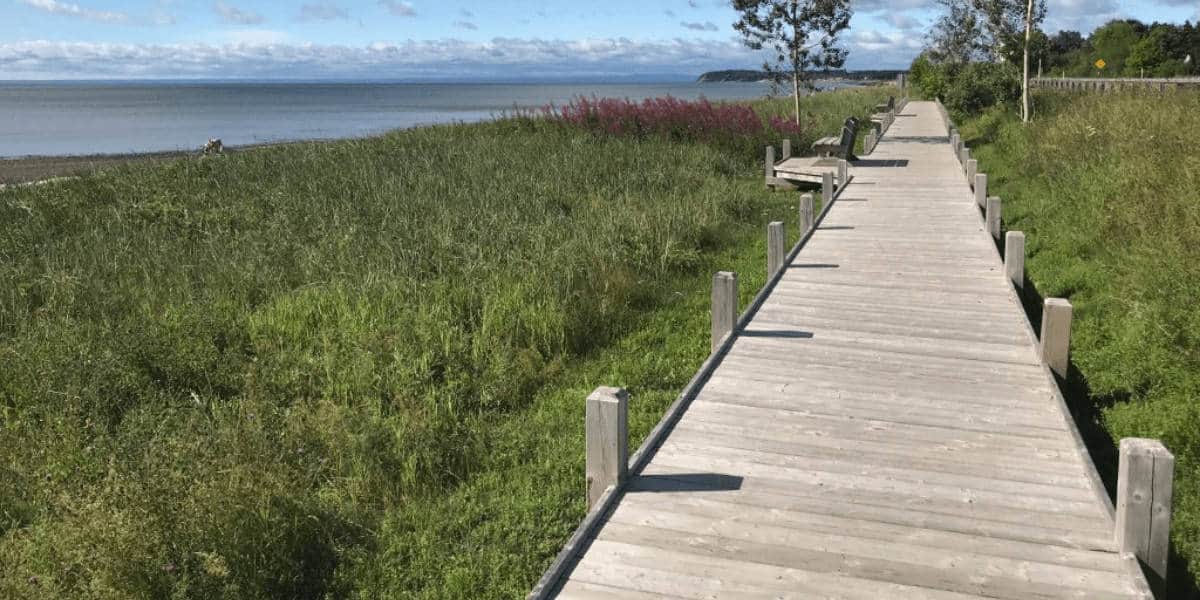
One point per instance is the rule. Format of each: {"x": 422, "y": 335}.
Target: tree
{"x": 1113, "y": 42}
{"x": 1035, "y": 12}
{"x": 802, "y": 33}
{"x": 957, "y": 35}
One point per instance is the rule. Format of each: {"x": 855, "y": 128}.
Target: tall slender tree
{"x": 801, "y": 33}
{"x": 1025, "y": 70}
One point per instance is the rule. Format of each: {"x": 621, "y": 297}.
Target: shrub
{"x": 930, "y": 79}
{"x": 967, "y": 89}
{"x": 979, "y": 86}
{"x": 732, "y": 127}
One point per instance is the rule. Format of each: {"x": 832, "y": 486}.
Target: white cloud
{"x": 254, "y": 37}
{"x": 466, "y": 25}
{"x": 235, "y": 15}
{"x": 399, "y": 8}
{"x": 891, "y": 6}
{"x": 466, "y": 14}
{"x": 871, "y": 49}
{"x": 74, "y": 10}
{"x": 321, "y": 11}
{"x": 262, "y": 54}
{"x": 697, "y": 26}
{"x": 1079, "y": 15}
{"x": 902, "y": 21}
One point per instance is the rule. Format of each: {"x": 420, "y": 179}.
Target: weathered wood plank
{"x": 882, "y": 425}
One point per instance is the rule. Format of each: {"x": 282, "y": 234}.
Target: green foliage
{"x": 983, "y": 85}
{"x": 348, "y": 369}
{"x": 931, "y": 80}
{"x": 1108, "y": 204}
{"x": 1129, "y": 48}
{"x": 1113, "y": 43}
{"x": 967, "y": 89}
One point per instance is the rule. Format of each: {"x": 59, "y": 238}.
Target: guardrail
{"x": 607, "y": 469}
{"x": 1095, "y": 84}
{"x": 1145, "y": 475}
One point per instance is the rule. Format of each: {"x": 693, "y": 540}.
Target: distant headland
{"x": 756, "y": 75}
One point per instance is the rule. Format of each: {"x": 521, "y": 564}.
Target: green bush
{"x": 967, "y": 89}
{"x": 979, "y": 86}
{"x": 931, "y": 80}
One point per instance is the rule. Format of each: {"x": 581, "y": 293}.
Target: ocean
{"x": 73, "y": 118}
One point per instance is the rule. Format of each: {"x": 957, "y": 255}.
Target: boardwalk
{"x": 882, "y": 428}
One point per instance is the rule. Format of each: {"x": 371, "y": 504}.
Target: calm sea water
{"x": 89, "y": 118}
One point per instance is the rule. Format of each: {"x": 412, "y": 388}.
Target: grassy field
{"x": 1105, "y": 188}
{"x": 352, "y": 369}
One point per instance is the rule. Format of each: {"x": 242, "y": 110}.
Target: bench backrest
{"x": 849, "y": 136}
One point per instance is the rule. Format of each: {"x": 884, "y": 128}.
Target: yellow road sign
{"x": 1100, "y": 64}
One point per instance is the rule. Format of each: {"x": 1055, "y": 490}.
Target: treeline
{"x": 978, "y": 66}
{"x": 1128, "y": 47}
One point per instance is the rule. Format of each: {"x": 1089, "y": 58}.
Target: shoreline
{"x": 23, "y": 170}
{"x": 33, "y": 169}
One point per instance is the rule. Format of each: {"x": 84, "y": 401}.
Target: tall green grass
{"x": 1107, "y": 190}
{"x": 350, "y": 369}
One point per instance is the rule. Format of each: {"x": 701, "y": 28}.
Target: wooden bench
{"x": 839, "y": 146}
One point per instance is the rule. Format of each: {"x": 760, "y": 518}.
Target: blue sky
{"x": 415, "y": 39}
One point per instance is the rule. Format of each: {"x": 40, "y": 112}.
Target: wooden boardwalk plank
{"x": 882, "y": 427}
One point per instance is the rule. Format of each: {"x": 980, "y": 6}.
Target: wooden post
{"x": 972, "y": 166}
{"x": 769, "y": 163}
{"x": 1014, "y": 258}
{"x": 992, "y": 216}
{"x": 981, "y": 189}
{"x": 776, "y": 247}
{"x": 826, "y": 189}
{"x": 1056, "y": 335}
{"x": 1145, "y": 478}
{"x": 807, "y": 215}
{"x": 954, "y": 141}
{"x": 606, "y": 427}
{"x": 787, "y": 149}
{"x": 843, "y": 173}
{"x": 724, "y": 306}
{"x": 964, "y": 157}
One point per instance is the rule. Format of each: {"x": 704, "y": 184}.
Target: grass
{"x": 1105, "y": 189}
{"x": 352, "y": 369}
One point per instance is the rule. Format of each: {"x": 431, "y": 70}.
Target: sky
{"x": 448, "y": 39}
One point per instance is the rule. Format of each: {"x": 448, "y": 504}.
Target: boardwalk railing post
{"x": 769, "y": 164}
{"x": 1145, "y": 481}
{"x": 724, "y": 306}
{"x": 787, "y": 149}
{"x": 843, "y": 173}
{"x": 1056, "y": 335}
{"x": 964, "y": 157}
{"x": 992, "y": 216}
{"x": 776, "y": 247}
{"x": 972, "y": 166}
{"x": 1014, "y": 258}
{"x": 826, "y": 189}
{"x": 606, "y": 427}
{"x": 807, "y": 214}
{"x": 954, "y": 141}
{"x": 981, "y": 189}
{"x": 869, "y": 142}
